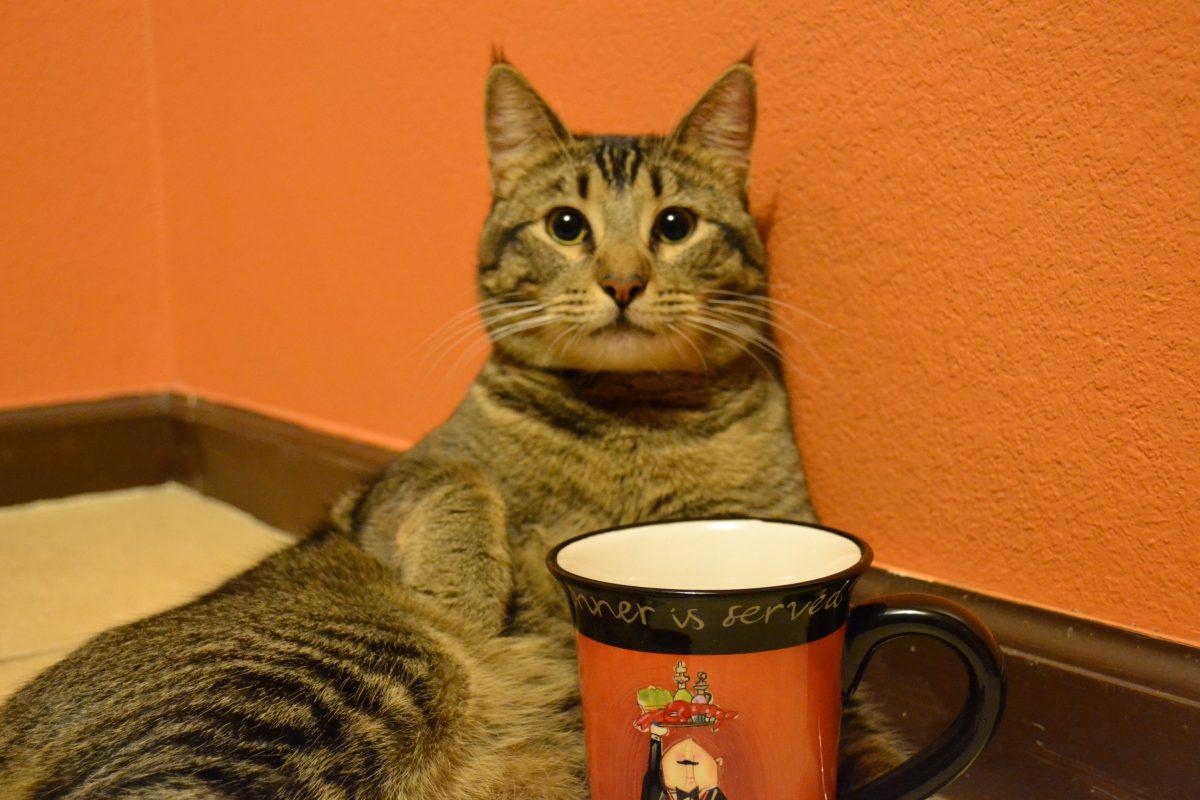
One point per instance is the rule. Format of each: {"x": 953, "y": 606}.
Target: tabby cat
{"x": 415, "y": 647}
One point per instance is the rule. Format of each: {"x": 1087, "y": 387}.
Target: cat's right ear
{"x": 519, "y": 126}
{"x": 722, "y": 121}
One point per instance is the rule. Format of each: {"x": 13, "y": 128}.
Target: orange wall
{"x": 990, "y": 206}
{"x": 83, "y": 308}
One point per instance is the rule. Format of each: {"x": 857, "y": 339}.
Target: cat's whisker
{"x": 461, "y": 328}
{"x": 568, "y": 329}
{"x": 723, "y": 333}
{"x": 466, "y": 341}
{"x": 748, "y": 333}
{"x": 798, "y": 339}
{"x": 471, "y": 332}
{"x": 494, "y": 316}
{"x": 508, "y": 331}
{"x": 683, "y": 335}
{"x": 760, "y": 319}
{"x": 770, "y": 302}
{"x": 463, "y": 320}
{"x": 757, "y": 339}
{"x": 579, "y": 331}
{"x": 776, "y": 327}
{"x": 469, "y": 325}
{"x": 440, "y": 331}
{"x": 468, "y": 350}
{"x": 504, "y": 332}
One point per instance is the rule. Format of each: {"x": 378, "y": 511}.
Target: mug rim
{"x": 866, "y": 555}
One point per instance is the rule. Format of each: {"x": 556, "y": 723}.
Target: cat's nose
{"x": 622, "y": 290}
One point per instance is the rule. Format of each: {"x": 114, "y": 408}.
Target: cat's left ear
{"x": 722, "y": 121}
{"x": 519, "y": 125}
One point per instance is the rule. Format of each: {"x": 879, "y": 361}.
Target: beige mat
{"x": 71, "y": 568}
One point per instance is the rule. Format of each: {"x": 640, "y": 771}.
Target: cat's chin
{"x": 625, "y": 349}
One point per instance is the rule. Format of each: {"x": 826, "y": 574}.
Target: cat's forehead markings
{"x": 618, "y": 158}
{"x": 656, "y": 181}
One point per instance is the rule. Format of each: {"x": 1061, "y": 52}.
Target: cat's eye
{"x": 674, "y": 224}
{"x": 567, "y": 225}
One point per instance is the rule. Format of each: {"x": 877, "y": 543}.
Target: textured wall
{"x": 984, "y": 215}
{"x": 82, "y": 292}
{"x": 998, "y": 212}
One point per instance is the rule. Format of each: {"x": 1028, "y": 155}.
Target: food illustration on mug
{"x": 687, "y": 770}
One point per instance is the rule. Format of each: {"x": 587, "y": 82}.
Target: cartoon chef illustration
{"x": 686, "y": 769}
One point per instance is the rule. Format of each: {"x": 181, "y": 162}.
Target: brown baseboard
{"x": 61, "y": 450}
{"x": 281, "y": 473}
{"x": 284, "y": 474}
{"x": 1094, "y": 711}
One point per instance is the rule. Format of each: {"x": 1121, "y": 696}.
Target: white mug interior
{"x": 710, "y": 555}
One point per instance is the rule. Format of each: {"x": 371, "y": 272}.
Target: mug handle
{"x": 885, "y": 618}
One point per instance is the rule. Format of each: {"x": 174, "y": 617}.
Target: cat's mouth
{"x": 625, "y": 346}
{"x": 622, "y": 326}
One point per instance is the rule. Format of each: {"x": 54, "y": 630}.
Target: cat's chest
{"x": 633, "y": 478}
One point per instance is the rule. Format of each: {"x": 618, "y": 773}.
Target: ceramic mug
{"x": 714, "y": 657}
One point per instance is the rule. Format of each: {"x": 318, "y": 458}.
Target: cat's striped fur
{"x": 417, "y": 648}
{"x": 314, "y": 675}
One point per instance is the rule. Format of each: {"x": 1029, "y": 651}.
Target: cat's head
{"x": 622, "y": 253}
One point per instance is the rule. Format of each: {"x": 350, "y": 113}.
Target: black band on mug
{"x": 716, "y": 622}
{"x": 702, "y": 625}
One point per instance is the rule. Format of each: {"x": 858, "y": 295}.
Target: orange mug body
{"x": 760, "y": 724}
